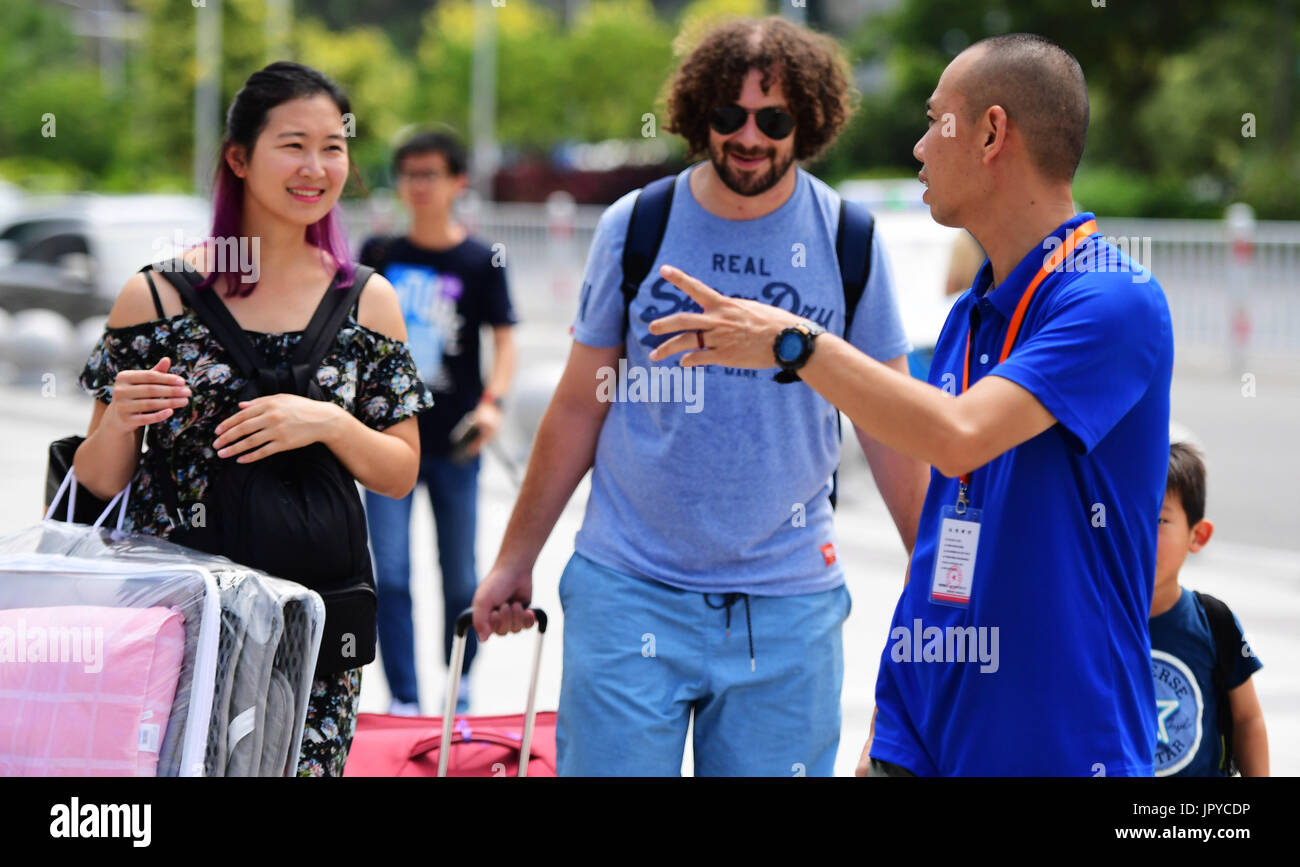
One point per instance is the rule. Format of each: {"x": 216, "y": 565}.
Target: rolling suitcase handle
{"x": 463, "y": 624}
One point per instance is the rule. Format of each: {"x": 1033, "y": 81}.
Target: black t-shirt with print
{"x": 446, "y": 297}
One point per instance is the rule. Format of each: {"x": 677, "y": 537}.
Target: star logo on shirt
{"x": 1179, "y": 707}
{"x": 1164, "y": 709}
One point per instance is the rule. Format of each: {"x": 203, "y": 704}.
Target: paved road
{"x": 1251, "y": 452}
{"x": 1252, "y": 562}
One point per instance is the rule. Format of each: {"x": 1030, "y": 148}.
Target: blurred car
{"x": 71, "y": 254}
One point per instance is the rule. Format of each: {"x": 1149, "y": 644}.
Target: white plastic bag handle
{"x": 124, "y": 495}
{"x": 68, "y": 479}
{"x": 69, "y": 484}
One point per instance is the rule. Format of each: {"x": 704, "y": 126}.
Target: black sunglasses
{"x": 775, "y": 123}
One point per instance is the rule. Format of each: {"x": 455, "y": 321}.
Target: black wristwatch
{"x": 792, "y": 348}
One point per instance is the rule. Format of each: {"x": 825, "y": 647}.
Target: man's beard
{"x": 750, "y": 183}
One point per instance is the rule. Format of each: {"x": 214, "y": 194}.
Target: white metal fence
{"x": 1242, "y": 297}
{"x": 1227, "y": 300}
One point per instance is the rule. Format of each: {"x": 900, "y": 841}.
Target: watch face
{"x": 790, "y": 346}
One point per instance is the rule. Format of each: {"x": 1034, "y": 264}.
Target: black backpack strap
{"x": 1227, "y": 644}
{"x": 328, "y": 319}
{"x": 153, "y": 290}
{"x": 853, "y": 240}
{"x": 213, "y": 312}
{"x": 645, "y": 231}
{"x": 217, "y": 319}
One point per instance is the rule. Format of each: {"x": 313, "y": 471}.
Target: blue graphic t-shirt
{"x": 716, "y": 479}
{"x": 447, "y": 296}
{"x": 1183, "y": 657}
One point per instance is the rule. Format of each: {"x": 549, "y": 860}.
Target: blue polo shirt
{"x": 1067, "y": 547}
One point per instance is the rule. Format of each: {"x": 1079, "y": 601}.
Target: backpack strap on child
{"x": 1227, "y": 644}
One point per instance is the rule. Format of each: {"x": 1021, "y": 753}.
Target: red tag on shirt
{"x": 828, "y": 553}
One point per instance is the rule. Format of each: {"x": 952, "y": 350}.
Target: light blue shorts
{"x": 640, "y": 656}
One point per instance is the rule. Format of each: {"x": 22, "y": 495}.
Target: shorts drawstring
{"x": 728, "y": 600}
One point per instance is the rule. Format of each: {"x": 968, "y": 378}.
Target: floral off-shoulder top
{"x": 367, "y": 373}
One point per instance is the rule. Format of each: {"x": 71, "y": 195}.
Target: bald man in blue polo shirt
{"x": 1019, "y": 645}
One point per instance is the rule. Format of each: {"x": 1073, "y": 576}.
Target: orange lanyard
{"x": 1013, "y": 330}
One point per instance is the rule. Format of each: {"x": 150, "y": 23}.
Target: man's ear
{"x": 237, "y": 158}
{"x": 993, "y": 131}
{"x": 1201, "y": 534}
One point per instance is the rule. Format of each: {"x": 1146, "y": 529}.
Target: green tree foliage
{"x": 1177, "y": 89}
{"x": 1168, "y": 84}
{"x": 157, "y": 138}
{"x": 613, "y": 36}
{"x": 58, "y": 127}
{"x": 589, "y": 83}
{"x": 530, "y": 95}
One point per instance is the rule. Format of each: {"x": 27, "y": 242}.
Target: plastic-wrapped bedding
{"x": 122, "y": 663}
{"x": 187, "y": 664}
{"x": 61, "y": 571}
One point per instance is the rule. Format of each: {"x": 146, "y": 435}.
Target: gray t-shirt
{"x": 718, "y": 480}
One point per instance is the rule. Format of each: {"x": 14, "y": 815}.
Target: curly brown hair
{"x": 811, "y": 67}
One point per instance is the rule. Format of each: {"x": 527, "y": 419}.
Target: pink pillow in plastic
{"x": 87, "y": 690}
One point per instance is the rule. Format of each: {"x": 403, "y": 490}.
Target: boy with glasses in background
{"x": 450, "y": 286}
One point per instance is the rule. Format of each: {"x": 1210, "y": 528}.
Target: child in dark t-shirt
{"x": 1185, "y": 655}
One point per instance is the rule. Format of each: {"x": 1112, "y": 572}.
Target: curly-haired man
{"x": 709, "y": 504}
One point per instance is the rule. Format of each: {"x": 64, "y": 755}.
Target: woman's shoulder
{"x": 135, "y": 304}
{"x": 378, "y": 309}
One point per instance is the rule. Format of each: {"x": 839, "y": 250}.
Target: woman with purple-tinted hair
{"x": 276, "y": 249}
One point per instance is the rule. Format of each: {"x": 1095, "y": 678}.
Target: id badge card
{"x": 954, "y": 557}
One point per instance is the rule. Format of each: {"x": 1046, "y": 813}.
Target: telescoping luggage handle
{"x": 463, "y": 624}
